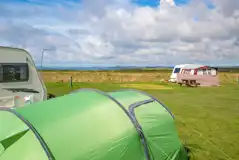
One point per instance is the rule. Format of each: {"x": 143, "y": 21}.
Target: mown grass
{"x": 207, "y": 118}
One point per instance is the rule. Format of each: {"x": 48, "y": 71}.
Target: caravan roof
{"x": 187, "y": 66}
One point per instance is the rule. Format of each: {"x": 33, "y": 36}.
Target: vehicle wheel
{"x": 49, "y": 96}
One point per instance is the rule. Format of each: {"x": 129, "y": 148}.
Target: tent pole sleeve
{"x": 138, "y": 104}
{"x": 139, "y": 91}
{"x": 132, "y": 114}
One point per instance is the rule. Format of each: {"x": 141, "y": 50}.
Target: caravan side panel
{"x": 11, "y": 57}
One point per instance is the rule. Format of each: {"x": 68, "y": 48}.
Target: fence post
{"x": 70, "y": 82}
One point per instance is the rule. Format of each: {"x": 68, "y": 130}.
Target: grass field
{"x": 207, "y": 118}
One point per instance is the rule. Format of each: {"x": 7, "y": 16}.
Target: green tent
{"x": 91, "y": 125}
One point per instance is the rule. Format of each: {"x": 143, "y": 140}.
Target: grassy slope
{"x": 211, "y": 112}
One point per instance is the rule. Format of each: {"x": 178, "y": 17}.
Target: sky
{"x": 123, "y": 32}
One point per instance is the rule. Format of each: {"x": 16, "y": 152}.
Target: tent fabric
{"x": 17, "y": 141}
{"x": 91, "y": 125}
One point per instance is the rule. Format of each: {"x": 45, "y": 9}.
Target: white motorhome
{"x": 179, "y": 68}
{"x": 20, "y": 82}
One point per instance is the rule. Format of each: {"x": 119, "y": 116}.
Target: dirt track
{"x": 94, "y": 76}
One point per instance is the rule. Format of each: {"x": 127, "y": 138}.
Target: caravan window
{"x": 14, "y": 72}
{"x": 176, "y": 70}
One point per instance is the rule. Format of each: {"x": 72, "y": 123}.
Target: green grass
{"x": 207, "y": 118}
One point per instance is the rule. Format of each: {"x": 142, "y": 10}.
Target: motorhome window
{"x": 176, "y": 70}
{"x": 13, "y": 72}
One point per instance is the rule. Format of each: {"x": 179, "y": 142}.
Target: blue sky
{"x": 152, "y": 3}
{"x": 123, "y": 32}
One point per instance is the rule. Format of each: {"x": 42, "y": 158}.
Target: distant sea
{"x": 100, "y": 68}
{"x": 95, "y": 68}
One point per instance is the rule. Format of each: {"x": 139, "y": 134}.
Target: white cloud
{"x": 120, "y": 32}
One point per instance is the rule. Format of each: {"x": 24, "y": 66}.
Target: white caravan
{"x": 20, "y": 82}
{"x": 179, "y": 68}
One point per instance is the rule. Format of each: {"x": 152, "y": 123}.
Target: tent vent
{"x": 6, "y": 143}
